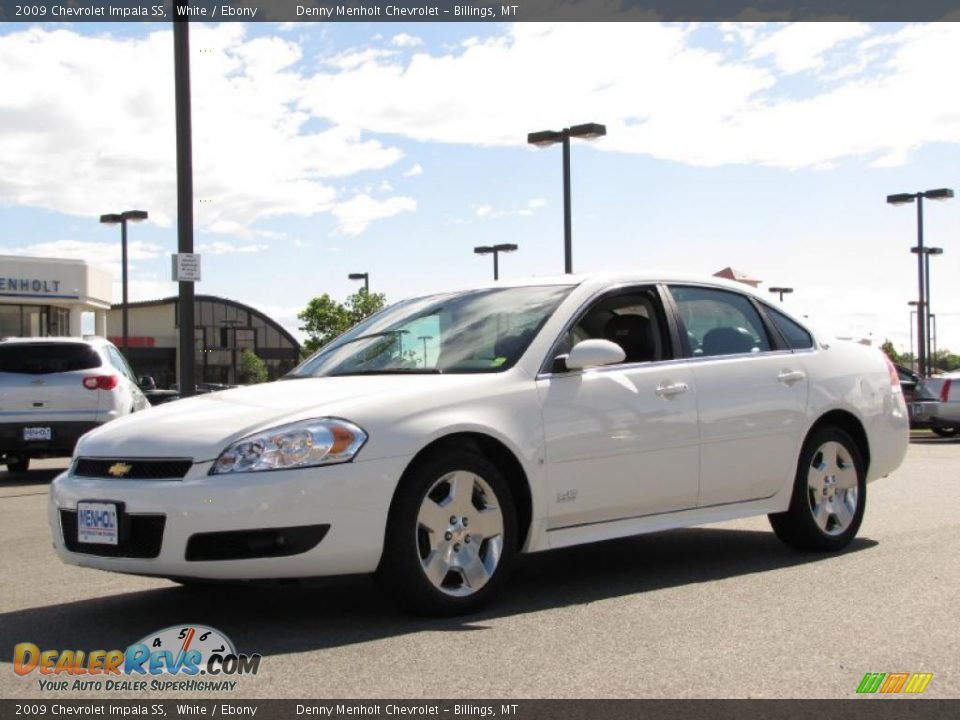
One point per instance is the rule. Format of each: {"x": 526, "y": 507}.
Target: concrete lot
{"x": 718, "y": 611}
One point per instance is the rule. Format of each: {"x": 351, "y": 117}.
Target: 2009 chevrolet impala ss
{"x": 437, "y": 439}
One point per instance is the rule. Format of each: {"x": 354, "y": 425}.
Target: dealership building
{"x": 223, "y": 329}
{"x": 43, "y": 297}
{"x": 47, "y": 297}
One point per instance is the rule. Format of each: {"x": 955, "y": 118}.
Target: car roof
{"x": 52, "y": 340}
{"x": 602, "y": 279}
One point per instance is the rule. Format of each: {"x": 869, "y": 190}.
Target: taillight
{"x": 945, "y": 390}
{"x": 101, "y": 382}
{"x": 891, "y": 368}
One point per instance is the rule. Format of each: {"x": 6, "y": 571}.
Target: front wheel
{"x": 451, "y": 536}
{"x": 945, "y": 432}
{"x": 829, "y": 494}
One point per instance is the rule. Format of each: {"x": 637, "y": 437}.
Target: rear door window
{"x": 719, "y": 322}
{"x": 45, "y": 358}
{"x": 797, "y": 338}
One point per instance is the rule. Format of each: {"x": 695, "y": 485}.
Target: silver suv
{"x": 53, "y": 390}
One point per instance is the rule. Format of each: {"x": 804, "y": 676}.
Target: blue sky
{"x": 323, "y": 149}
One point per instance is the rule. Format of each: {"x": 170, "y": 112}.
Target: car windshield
{"x": 478, "y": 331}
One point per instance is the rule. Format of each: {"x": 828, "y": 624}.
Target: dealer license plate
{"x": 97, "y": 523}
{"x": 37, "y": 433}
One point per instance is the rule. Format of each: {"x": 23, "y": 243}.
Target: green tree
{"x": 945, "y": 360}
{"x": 895, "y": 357}
{"x": 324, "y": 318}
{"x": 252, "y": 369}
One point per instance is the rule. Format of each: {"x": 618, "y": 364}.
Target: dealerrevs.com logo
{"x": 177, "y": 658}
{"x": 894, "y": 683}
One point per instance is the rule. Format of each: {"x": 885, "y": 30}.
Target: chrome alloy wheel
{"x": 832, "y": 488}
{"x": 459, "y": 533}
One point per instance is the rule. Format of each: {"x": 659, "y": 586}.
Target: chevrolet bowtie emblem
{"x": 119, "y": 469}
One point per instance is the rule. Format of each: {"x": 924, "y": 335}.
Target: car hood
{"x": 202, "y": 426}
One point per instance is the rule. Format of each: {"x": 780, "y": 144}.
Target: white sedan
{"x": 437, "y": 439}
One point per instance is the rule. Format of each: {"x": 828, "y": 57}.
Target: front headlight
{"x": 324, "y": 441}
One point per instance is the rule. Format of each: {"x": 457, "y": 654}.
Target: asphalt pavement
{"x": 717, "y": 611}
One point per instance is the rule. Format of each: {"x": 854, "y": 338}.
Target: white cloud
{"x": 352, "y": 59}
{"x": 220, "y": 247}
{"x": 801, "y": 46}
{"x": 488, "y": 211}
{"x": 660, "y": 94}
{"x": 415, "y": 171}
{"x": 105, "y": 139}
{"x": 405, "y": 40}
{"x": 356, "y": 214}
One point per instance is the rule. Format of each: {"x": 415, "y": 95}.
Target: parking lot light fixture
{"x": 782, "y": 291}
{"x": 122, "y": 219}
{"x": 495, "y": 250}
{"x": 545, "y": 138}
{"x": 361, "y": 276}
{"x": 923, "y": 270}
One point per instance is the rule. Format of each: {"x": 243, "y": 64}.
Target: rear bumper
{"x": 63, "y": 438}
{"x": 928, "y": 414}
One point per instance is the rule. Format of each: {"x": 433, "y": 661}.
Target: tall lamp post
{"x": 361, "y": 276}
{"x": 782, "y": 291}
{"x": 545, "y": 138}
{"x": 495, "y": 250}
{"x": 913, "y": 304}
{"x": 123, "y": 218}
{"x": 923, "y": 298}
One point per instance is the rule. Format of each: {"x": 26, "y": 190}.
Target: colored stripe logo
{"x": 893, "y": 683}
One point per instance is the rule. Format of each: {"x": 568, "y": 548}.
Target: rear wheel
{"x": 451, "y": 536}
{"x": 829, "y": 494}
{"x": 945, "y": 432}
{"x": 18, "y": 464}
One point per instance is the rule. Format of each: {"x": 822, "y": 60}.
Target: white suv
{"x": 53, "y": 390}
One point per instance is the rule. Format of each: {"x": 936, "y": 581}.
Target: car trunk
{"x": 45, "y": 381}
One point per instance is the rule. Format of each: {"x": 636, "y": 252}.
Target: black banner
{"x": 475, "y": 10}
{"x": 860, "y": 709}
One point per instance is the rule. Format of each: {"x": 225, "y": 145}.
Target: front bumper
{"x": 350, "y": 502}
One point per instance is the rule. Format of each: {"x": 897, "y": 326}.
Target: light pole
{"x": 933, "y": 342}
{"x": 361, "y": 276}
{"x": 123, "y": 218}
{"x": 782, "y": 291}
{"x": 184, "y": 129}
{"x": 545, "y": 138}
{"x": 495, "y": 250}
{"x": 425, "y": 338}
{"x": 913, "y": 361}
{"x": 923, "y": 310}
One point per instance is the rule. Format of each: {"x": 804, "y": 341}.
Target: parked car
{"x": 436, "y": 440}
{"x": 53, "y": 390}
{"x": 922, "y": 403}
{"x": 943, "y": 417}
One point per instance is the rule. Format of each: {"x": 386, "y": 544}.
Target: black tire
{"x": 407, "y": 542}
{"x": 945, "y": 432}
{"x": 18, "y": 464}
{"x": 797, "y": 527}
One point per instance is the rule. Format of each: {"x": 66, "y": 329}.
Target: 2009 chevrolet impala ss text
{"x": 437, "y": 439}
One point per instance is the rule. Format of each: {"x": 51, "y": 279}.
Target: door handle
{"x": 788, "y": 377}
{"x": 665, "y": 390}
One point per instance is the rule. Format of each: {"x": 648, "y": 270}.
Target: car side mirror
{"x": 594, "y": 353}
{"x": 147, "y": 383}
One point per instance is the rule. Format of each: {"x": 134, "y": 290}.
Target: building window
{"x": 9, "y": 321}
